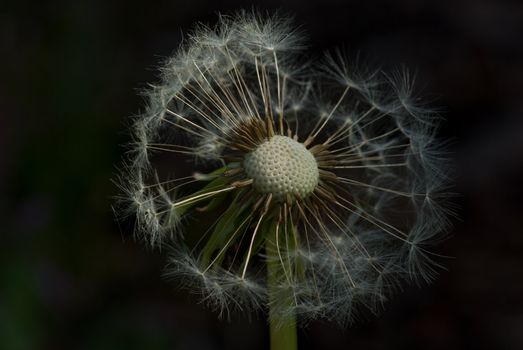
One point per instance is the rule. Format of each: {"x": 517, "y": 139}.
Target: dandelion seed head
{"x": 323, "y": 183}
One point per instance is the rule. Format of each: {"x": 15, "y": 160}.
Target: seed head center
{"x": 282, "y": 166}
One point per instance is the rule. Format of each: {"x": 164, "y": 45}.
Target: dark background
{"x": 71, "y": 278}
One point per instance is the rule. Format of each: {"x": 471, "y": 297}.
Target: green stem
{"x": 283, "y": 331}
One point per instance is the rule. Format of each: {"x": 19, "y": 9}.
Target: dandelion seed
{"x": 320, "y": 184}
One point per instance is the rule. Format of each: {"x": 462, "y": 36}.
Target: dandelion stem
{"x": 283, "y": 332}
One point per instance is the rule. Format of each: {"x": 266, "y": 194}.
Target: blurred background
{"x": 72, "y": 278}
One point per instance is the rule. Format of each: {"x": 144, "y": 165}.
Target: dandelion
{"x": 315, "y": 187}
